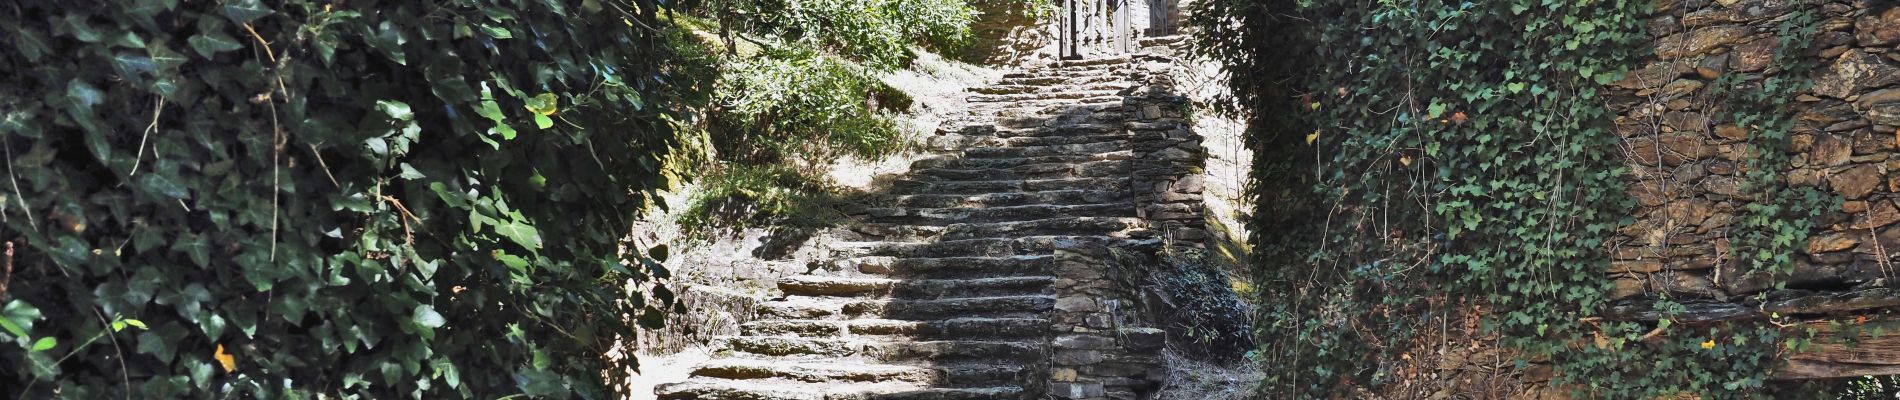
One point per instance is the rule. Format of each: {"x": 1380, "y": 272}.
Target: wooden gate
{"x": 1095, "y": 27}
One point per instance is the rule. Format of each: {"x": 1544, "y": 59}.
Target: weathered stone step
{"x": 1032, "y": 116}
{"x": 946, "y": 216}
{"x": 1084, "y": 149}
{"x": 1077, "y": 94}
{"x": 883, "y": 349}
{"x": 960, "y": 162}
{"x": 809, "y": 285}
{"x": 947, "y": 267}
{"x": 1071, "y": 129}
{"x": 1115, "y": 85}
{"x": 1008, "y": 199}
{"x": 1059, "y": 226}
{"x": 1065, "y": 73}
{"x": 1083, "y": 62}
{"x": 912, "y": 186}
{"x": 1059, "y": 80}
{"x": 986, "y": 247}
{"x": 805, "y": 307}
{"x": 967, "y": 328}
{"x": 834, "y": 371}
{"x": 1085, "y": 169}
{"x": 959, "y": 142}
{"x": 781, "y": 389}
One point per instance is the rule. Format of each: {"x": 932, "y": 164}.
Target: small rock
{"x": 1699, "y": 41}
{"x": 1878, "y": 29}
{"x": 1879, "y": 214}
{"x": 1831, "y": 242}
{"x": 1686, "y": 121}
{"x": 1731, "y": 131}
{"x": 1681, "y": 87}
{"x": 1754, "y": 55}
{"x": 1854, "y": 72}
{"x": 1856, "y": 182}
{"x": 1829, "y": 151}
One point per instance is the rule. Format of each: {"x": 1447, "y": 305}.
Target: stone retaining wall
{"x": 1688, "y": 158}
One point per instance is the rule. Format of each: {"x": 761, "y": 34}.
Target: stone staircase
{"x": 946, "y": 288}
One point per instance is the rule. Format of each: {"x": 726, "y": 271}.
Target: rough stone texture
{"x": 1690, "y": 158}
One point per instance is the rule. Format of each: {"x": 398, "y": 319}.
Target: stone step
{"x": 912, "y": 186}
{"x": 964, "y": 328}
{"x": 883, "y": 350}
{"x": 946, "y": 267}
{"x": 985, "y": 247}
{"x": 1008, "y": 199}
{"x": 1070, "y": 129}
{"x": 1078, "y": 226}
{"x": 998, "y": 89}
{"x": 1039, "y": 117}
{"x": 947, "y": 216}
{"x": 808, "y": 308}
{"x": 1082, "y": 149}
{"x": 1060, "y": 80}
{"x": 832, "y": 371}
{"x": 811, "y": 285}
{"x": 958, "y": 141}
{"x": 1076, "y": 94}
{"x": 1065, "y": 73}
{"x": 1083, "y": 62}
{"x": 1082, "y": 169}
{"x": 779, "y": 389}
{"x": 960, "y": 162}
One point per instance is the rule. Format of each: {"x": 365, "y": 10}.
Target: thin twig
{"x": 16, "y": 189}
{"x": 277, "y": 141}
{"x": 158, "y": 109}
{"x": 325, "y": 166}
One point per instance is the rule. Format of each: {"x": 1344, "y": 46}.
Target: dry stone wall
{"x": 1690, "y": 159}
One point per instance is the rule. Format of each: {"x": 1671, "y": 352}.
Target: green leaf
{"x": 245, "y": 11}
{"x": 209, "y": 44}
{"x": 542, "y": 121}
{"x": 522, "y": 234}
{"x": 395, "y": 109}
{"x": 135, "y": 323}
{"x": 45, "y": 343}
{"x": 544, "y": 104}
{"x": 18, "y": 317}
{"x": 427, "y": 317}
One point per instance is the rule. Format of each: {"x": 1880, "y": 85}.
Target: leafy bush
{"x": 793, "y": 104}
{"x": 736, "y": 197}
{"x": 876, "y": 32}
{"x": 384, "y": 199}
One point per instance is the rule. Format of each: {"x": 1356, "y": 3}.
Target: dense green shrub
{"x": 878, "y": 33}
{"x": 383, "y": 198}
{"x": 794, "y": 104}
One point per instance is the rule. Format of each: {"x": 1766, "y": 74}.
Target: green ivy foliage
{"x": 382, "y": 199}
{"x": 1419, "y": 162}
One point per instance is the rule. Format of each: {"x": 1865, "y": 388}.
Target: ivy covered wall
{"x": 1611, "y": 199}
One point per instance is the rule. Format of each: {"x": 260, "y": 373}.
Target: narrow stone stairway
{"x": 943, "y": 289}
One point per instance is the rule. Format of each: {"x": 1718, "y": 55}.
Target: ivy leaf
{"x": 522, "y": 234}
{"x": 395, "y": 109}
{"x": 543, "y": 122}
{"x": 245, "y": 11}
{"x": 426, "y": 316}
{"x": 209, "y": 44}
{"x": 45, "y": 343}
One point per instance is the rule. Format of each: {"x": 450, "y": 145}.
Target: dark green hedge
{"x": 382, "y": 198}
